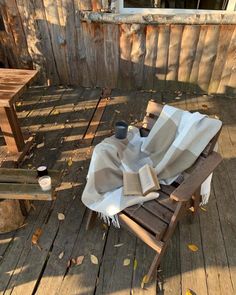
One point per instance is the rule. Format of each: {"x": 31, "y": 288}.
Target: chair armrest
{"x": 202, "y": 169}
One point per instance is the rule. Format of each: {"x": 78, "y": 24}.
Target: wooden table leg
{"x": 11, "y": 129}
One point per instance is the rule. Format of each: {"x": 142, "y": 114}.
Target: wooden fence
{"x": 49, "y": 35}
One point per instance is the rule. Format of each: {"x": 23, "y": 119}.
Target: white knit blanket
{"x": 173, "y": 145}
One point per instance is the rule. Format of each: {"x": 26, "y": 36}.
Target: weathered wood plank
{"x": 137, "y": 55}
{"x": 189, "y": 42}
{"x": 208, "y": 57}
{"x": 216, "y": 261}
{"x": 222, "y": 48}
{"x": 162, "y": 57}
{"x": 173, "y": 58}
{"x": 192, "y": 263}
{"x": 150, "y": 56}
{"x": 198, "y": 55}
{"x": 58, "y": 41}
{"x": 170, "y": 274}
{"x": 225, "y": 77}
{"x": 125, "y": 56}
{"x": 111, "y": 55}
{"x": 119, "y": 277}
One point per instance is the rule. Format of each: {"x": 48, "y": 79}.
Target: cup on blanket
{"x": 121, "y": 129}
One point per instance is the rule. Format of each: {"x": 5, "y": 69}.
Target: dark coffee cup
{"x": 121, "y": 129}
{"x": 42, "y": 171}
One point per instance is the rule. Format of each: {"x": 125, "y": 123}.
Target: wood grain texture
{"x": 162, "y": 57}
{"x": 176, "y": 32}
{"x": 77, "y": 43}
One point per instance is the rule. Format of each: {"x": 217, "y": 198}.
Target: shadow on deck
{"x": 59, "y": 118}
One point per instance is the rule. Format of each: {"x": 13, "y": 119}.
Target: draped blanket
{"x": 174, "y": 143}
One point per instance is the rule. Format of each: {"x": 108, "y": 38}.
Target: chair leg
{"x": 91, "y": 219}
{"x": 155, "y": 264}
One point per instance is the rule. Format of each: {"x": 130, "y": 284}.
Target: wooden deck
{"x": 64, "y": 121}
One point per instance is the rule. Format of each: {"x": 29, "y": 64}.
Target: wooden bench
{"x": 13, "y": 83}
{"x": 16, "y": 186}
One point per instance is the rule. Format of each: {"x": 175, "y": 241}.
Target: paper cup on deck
{"x": 45, "y": 183}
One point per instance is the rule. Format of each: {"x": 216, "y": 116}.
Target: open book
{"x": 141, "y": 183}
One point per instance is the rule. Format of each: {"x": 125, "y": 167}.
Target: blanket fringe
{"x": 110, "y": 219}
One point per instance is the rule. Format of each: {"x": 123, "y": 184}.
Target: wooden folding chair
{"x": 154, "y": 221}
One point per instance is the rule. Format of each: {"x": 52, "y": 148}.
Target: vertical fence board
{"x": 43, "y": 34}
{"x": 27, "y": 14}
{"x": 13, "y": 24}
{"x": 58, "y": 39}
{"x": 198, "y": 55}
{"x": 150, "y": 56}
{"x": 99, "y": 55}
{"x": 125, "y": 56}
{"x": 162, "y": 57}
{"x": 111, "y": 55}
{"x": 71, "y": 41}
{"x": 137, "y": 55}
{"x": 228, "y": 67}
{"x": 187, "y": 54}
{"x": 208, "y": 57}
{"x": 222, "y": 48}
{"x": 173, "y": 58}
{"x": 90, "y": 56}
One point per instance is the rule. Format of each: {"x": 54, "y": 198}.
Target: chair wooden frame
{"x": 154, "y": 222}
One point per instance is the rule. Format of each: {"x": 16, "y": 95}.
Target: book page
{"x": 148, "y": 179}
{"x": 132, "y": 184}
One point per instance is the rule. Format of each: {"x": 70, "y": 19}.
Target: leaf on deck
{"x": 69, "y": 162}
{"x": 126, "y": 262}
{"x": 135, "y": 264}
{"x": 61, "y": 255}
{"x": 189, "y": 292}
{"x": 35, "y": 237}
{"x": 203, "y": 209}
{"x": 193, "y": 247}
{"x": 79, "y": 260}
{"x": 144, "y": 281}
{"x": 118, "y": 245}
{"x": 60, "y": 216}
{"x": 93, "y": 259}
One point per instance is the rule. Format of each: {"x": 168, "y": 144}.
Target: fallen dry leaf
{"x": 40, "y": 145}
{"x": 144, "y": 281}
{"x": 203, "y": 209}
{"x": 93, "y": 259}
{"x": 135, "y": 264}
{"x": 61, "y": 255}
{"x": 118, "y": 245}
{"x": 103, "y": 236}
{"x": 60, "y": 216}
{"x": 55, "y": 112}
{"x": 126, "y": 262}
{"x": 19, "y": 103}
{"x": 189, "y": 292}
{"x": 35, "y": 237}
{"x": 79, "y": 260}
{"x": 69, "y": 162}
{"x": 193, "y": 247}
